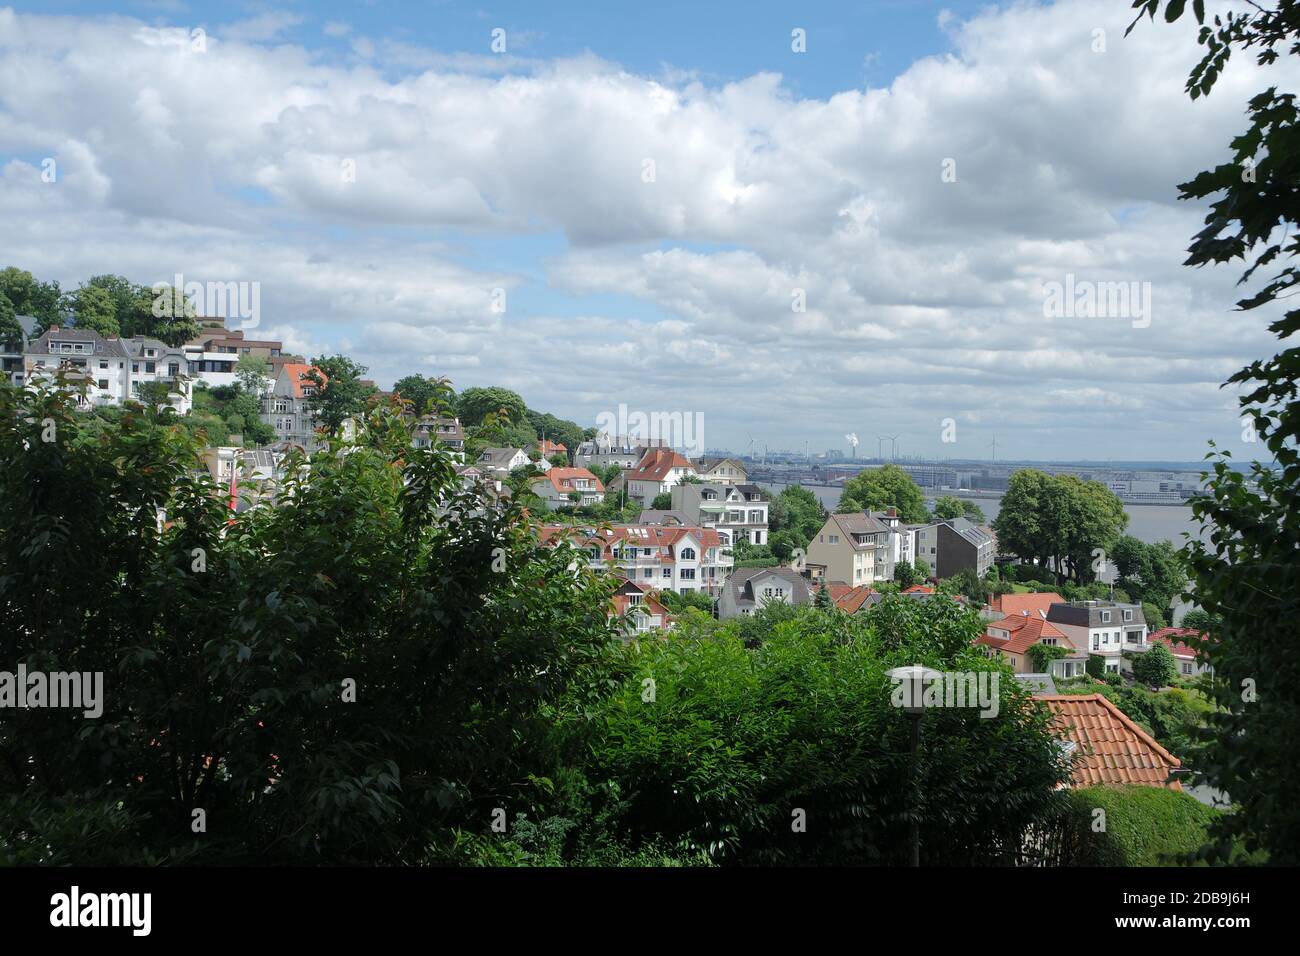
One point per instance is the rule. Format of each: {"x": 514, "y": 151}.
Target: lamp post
{"x": 910, "y": 684}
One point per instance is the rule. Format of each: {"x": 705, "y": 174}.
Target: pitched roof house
{"x": 854, "y": 548}
{"x": 656, "y": 473}
{"x": 664, "y": 558}
{"x": 1109, "y": 747}
{"x": 558, "y": 484}
{"x": 1190, "y": 662}
{"x": 748, "y": 589}
{"x": 1015, "y": 634}
{"x": 640, "y": 609}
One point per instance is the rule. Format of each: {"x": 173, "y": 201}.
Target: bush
{"x": 1144, "y": 826}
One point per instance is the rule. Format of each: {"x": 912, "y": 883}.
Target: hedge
{"x": 1144, "y": 826}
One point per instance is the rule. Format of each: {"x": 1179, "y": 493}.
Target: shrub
{"x": 1144, "y": 826}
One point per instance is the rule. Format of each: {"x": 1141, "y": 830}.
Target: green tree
{"x": 375, "y": 578}
{"x": 167, "y": 314}
{"x": 663, "y": 502}
{"x": 1155, "y": 615}
{"x": 340, "y": 392}
{"x": 474, "y": 405}
{"x": 1059, "y": 521}
{"x": 946, "y": 507}
{"x": 1198, "y": 620}
{"x": 1245, "y": 574}
{"x": 798, "y": 512}
{"x": 1155, "y": 667}
{"x": 253, "y": 372}
{"x": 905, "y": 574}
{"x": 11, "y": 333}
{"x": 92, "y": 308}
{"x": 875, "y": 489}
{"x": 427, "y": 396}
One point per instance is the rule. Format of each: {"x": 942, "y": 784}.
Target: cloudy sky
{"x": 629, "y": 204}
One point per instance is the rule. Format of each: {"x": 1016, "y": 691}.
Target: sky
{"x": 794, "y": 222}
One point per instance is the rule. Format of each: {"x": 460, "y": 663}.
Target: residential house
{"x": 640, "y": 609}
{"x": 211, "y": 357}
{"x": 738, "y": 512}
{"x": 1107, "y": 628}
{"x": 854, "y": 548}
{"x": 722, "y": 471}
{"x": 1191, "y": 662}
{"x": 1038, "y": 603}
{"x": 954, "y": 545}
{"x": 549, "y": 449}
{"x": 1013, "y": 636}
{"x": 502, "y": 461}
{"x": 665, "y": 517}
{"x": 621, "y": 450}
{"x": 111, "y": 369}
{"x": 680, "y": 560}
{"x": 848, "y": 598}
{"x": 656, "y": 473}
{"x": 1107, "y": 746}
{"x": 748, "y": 589}
{"x": 558, "y": 486}
{"x": 11, "y": 353}
{"x": 287, "y": 408}
{"x": 446, "y": 431}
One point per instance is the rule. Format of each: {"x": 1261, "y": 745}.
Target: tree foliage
{"x": 875, "y": 489}
{"x": 1058, "y": 521}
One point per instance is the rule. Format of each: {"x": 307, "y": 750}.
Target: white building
{"x": 656, "y": 473}
{"x": 113, "y": 370}
{"x": 558, "y": 486}
{"x": 675, "y": 559}
{"x": 1107, "y": 628}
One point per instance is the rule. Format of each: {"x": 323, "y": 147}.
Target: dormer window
{"x": 1128, "y": 616}
{"x": 1105, "y": 617}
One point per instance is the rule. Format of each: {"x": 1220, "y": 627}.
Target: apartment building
{"x": 722, "y": 471}
{"x": 680, "y": 560}
{"x": 620, "y": 450}
{"x": 446, "y": 431}
{"x": 113, "y": 370}
{"x": 853, "y": 549}
{"x": 738, "y": 512}
{"x": 955, "y": 544}
{"x": 1108, "y": 628}
{"x": 287, "y": 407}
{"x": 213, "y": 355}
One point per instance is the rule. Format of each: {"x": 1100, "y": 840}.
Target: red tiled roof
{"x": 296, "y": 373}
{"x": 1111, "y": 747}
{"x": 1019, "y": 603}
{"x": 1026, "y": 631}
{"x": 1169, "y": 637}
{"x": 656, "y": 464}
{"x": 547, "y": 448}
{"x": 561, "y": 480}
{"x": 918, "y": 589}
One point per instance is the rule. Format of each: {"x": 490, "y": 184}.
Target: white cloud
{"x": 924, "y": 298}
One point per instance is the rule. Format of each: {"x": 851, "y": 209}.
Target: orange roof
{"x": 561, "y": 480}
{"x": 918, "y": 589}
{"x": 296, "y": 371}
{"x": 547, "y": 448}
{"x": 656, "y": 464}
{"x": 1020, "y": 603}
{"x": 1026, "y": 631}
{"x": 1111, "y": 747}
{"x": 1168, "y": 636}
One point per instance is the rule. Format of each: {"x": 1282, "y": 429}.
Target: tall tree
{"x": 11, "y": 333}
{"x": 340, "y": 393}
{"x": 475, "y": 404}
{"x": 253, "y": 372}
{"x": 1247, "y": 574}
{"x": 889, "y": 486}
{"x": 92, "y": 308}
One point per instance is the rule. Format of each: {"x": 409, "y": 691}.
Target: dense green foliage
{"x": 1059, "y": 522}
{"x": 1144, "y": 826}
{"x": 875, "y": 489}
{"x": 948, "y": 506}
{"x": 1247, "y": 575}
{"x": 1151, "y": 573}
{"x": 1155, "y": 667}
{"x": 228, "y": 646}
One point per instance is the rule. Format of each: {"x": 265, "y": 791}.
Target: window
{"x": 103, "y": 364}
{"x": 1105, "y": 617}
{"x": 103, "y": 383}
{"x": 688, "y": 574}
{"x": 1128, "y": 615}
{"x": 1187, "y": 668}
{"x": 150, "y": 366}
{"x": 173, "y": 369}
{"x": 835, "y": 539}
{"x": 649, "y": 572}
{"x": 135, "y": 366}
{"x": 688, "y": 554}
{"x": 668, "y": 572}
{"x": 1096, "y": 642}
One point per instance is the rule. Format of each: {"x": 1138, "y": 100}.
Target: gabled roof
{"x": 656, "y": 463}
{"x": 741, "y": 583}
{"x": 1020, "y": 603}
{"x": 856, "y": 523}
{"x": 1111, "y": 747}
{"x": 296, "y": 374}
{"x": 499, "y": 457}
{"x": 562, "y": 479}
{"x": 1026, "y": 631}
{"x": 846, "y": 597}
{"x": 1169, "y": 636}
{"x": 547, "y": 448}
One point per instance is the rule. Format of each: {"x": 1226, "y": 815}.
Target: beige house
{"x": 852, "y": 548}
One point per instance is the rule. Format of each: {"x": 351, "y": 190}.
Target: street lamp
{"x": 910, "y": 684}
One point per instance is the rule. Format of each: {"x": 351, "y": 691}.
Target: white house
{"x": 656, "y": 473}
{"x": 1107, "y": 628}
{"x": 112, "y": 369}
{"x": 558, "y": 486}
{"x": 675, "y": 559}
{"x": 749, "y": 589}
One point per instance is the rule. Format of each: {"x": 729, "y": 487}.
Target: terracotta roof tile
{"x": 1111, "y": 747}
{"x": 1019, "y": 603}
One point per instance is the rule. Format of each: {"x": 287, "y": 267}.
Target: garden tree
{"x": 381, "y": 647}
{"x": 559, "y": 460}
{"x": 157, "y": 395}
{"x": 782, "y": 544}
{"x": 1245, "y": 575}
{"x": 426, "y": 395}
{"x": 340, "y": 393}
{"x": 967, "y": 583}
{"x": 544, "y": 425}
{"x": 606, "y": 473}
{"x": 1058, "y": 521}
{"x": 875, "y": 489}
{"x": 1198, "y": 620}
{"x": 1155, "y": 615}
{"x": 474, "y": 404}
{"x": 11, "y": 333}
{"x": 1042, "y": 656}
{"x": 922, "y": 569}
{"x": 791, "y": 708}
{"x": 1149, "y": 572}
{"x": 92, "y": 308}
{"x": 663, "y": 501}
{"x": 823, "y": 601}
{"x": 798, "y": 512}
{"x": 131, "y": 303}
{"x": 31, "y": 297}
{"x": 905, "y": 574}
{"x": 950, "y": 506}
{"x": 1155, "y": 667}
{"x": 169, "y": 315}
{"x": 253, "y": 372}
